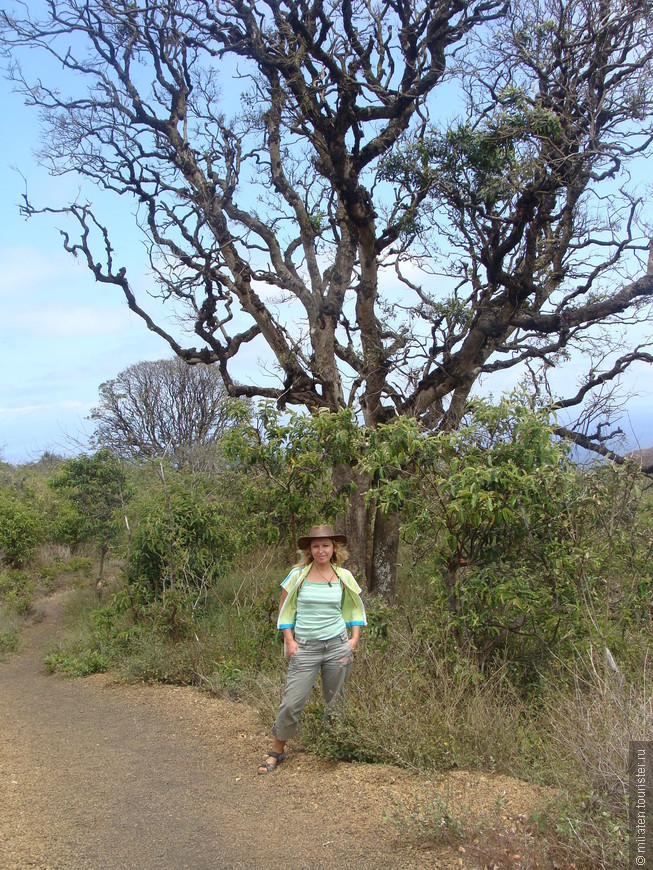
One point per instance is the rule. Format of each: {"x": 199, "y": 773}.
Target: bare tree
{"x": 163, "y": 407}
{"x": 386, "y": 263}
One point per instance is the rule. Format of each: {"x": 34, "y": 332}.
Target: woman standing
{"x": 320, "y": 600}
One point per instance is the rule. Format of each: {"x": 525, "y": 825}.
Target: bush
{"x": 181, "y": 542}
{"x": 17, "y": 591}
{"x": 518, "y": 545}
{"x": 20, "y": 531}
{"x": 89, "y": 662}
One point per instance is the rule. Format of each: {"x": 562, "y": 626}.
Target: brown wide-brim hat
{"x": 322, "y": 531}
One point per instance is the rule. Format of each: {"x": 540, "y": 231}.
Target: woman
{"x": 319, "y": 601}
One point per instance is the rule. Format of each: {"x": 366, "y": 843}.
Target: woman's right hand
{"x": 292, "y": 646}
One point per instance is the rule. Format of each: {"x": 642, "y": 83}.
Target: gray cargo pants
{"x": 333, "y": 658}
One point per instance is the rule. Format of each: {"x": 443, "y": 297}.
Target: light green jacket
{"x": 353, "y": 610}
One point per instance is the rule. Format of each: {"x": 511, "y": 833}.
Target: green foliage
{"x": 342, "y": 740}
{"x": 96, "y": 488}
{"x": 289, "y": 460}
{"x": 90, "y": 662}
{"x": 181, "y": 542}
{"x": 47, "y": 576}
{"x": 580, "y": 827}
{"x": 68, "y": 524}
{"x": 9, "y": 630}
{"x": 497, "y": 520}
{"x": 379, "y": 617}
{"x": 220, "y": 646}
{"x": 78, "y": 565}
{"x": 476, "y": 167}
{"x": 17, "y": 591}
{"x": 515, "y": 564}
{"x": 21, "y": 528}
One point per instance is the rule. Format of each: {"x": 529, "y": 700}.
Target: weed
{"x": 340, "y": 740}
{"x": 47, "y": 577}
{"x": 87, "y": 662}
{"x": 9, "y": 630}
{"x": 433, "y": 820}
{"x": 78, "y": 565}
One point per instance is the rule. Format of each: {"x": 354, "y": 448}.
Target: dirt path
{"x": 96, "y": 775}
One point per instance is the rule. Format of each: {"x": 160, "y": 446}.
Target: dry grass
{"x": 9, "y": 630}
{"x": 49, "y": 554}
{"x": 588, "y": 724}
{"x": 592, "y": 724}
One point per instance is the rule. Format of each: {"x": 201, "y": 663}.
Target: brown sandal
{"x": 269, "y": 767}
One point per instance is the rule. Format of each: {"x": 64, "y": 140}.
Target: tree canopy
{"x": 387, "y": 258}
{"x": 165, "y": 406}
{"x": 409, "y": 195}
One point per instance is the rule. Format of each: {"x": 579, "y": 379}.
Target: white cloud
{"x": 49, "y": 407}
{"x": 55, "y": 322}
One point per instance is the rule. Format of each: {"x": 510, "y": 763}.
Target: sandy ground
{"x": 99, "y": 775}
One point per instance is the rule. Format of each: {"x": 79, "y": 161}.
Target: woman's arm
{"x": 355, "y": 636}
{"x": 291, "y": 644}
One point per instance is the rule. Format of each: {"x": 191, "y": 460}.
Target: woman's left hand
{"x": 353, "y": 643}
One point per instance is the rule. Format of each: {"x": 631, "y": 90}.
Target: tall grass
{"x": 9, "y": 630}
{"x": 587, "y": 723}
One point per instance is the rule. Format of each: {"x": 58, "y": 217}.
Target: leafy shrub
{"x": 47, "y": 576}
{"x": 20, "y": 530}
{"x": 288, "y": 460}
{"x": 87, "y": 662}
{"x": 181, "y": 542}
{"x": 68, "y": 525}
{"x": 96, "y": 489}
{"x": 515, "y": 542}
{"x": 78, "y": 565}
{"x": 17, "y": 591}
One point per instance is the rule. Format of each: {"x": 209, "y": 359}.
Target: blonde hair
{"x": 340, "y": 555}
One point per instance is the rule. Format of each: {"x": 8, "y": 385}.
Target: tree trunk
{"x": 355, "y": 524}
{"x": 103, "y": 553}
{"x": 372, "y": 537}
{"x": 385, "y": 548}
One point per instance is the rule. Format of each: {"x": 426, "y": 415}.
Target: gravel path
{"x": 99, "y": 775}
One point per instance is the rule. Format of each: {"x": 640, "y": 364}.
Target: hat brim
{"x": 305, "y": 542}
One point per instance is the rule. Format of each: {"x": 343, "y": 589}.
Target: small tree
{"x": 21, "y": 529}
{"x": 486, "y": 510}
{"x": 163, "y": 407}
{"x": 182, "y": 542}
{"x": 96, "y": 485}
{"x": 289, "y": 462}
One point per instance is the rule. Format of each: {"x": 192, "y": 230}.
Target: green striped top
{"x": 319, "y": 610}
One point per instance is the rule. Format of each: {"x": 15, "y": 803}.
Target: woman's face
{"x": 321, "y": 550}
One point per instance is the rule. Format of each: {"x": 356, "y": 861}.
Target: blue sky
{"x": 62, "y": 335}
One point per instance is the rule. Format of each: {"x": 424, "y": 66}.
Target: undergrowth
{"x": 407, "y": 704}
